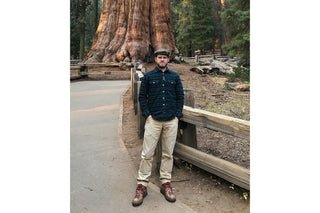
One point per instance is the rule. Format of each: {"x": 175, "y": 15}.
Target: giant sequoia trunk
{"x": 131, "y": 30}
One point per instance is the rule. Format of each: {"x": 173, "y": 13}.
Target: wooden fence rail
{"x": 187, "y": 149}
{"x": 222, "y": 168}
{"x": 218, "y": 122}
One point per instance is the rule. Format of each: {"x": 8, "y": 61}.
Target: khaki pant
{"x": 153, "y": 129}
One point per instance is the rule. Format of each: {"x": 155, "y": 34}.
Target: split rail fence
{"x": 186, "y": 150}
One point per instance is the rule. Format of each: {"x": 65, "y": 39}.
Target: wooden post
{"x": 158, "y": 155}
{"x": 141, "y": 119}
{"x": 189, "y": 131}
{"x": 136, "y": 93}
{"x": 145, "y": 66}
{"x": 83, "y": 72}
{"x": 132, "y": 80}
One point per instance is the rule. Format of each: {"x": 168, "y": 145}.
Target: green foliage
{"x": 91, "y": 23}
{"x": 88, "y": 19}
{"x": 240, "y": 74}
{"x": 204, "y": 24}
{"x": 236, "y": 19}
{"x": 196, "y": 25}
{"x": 74, "y": 35}
{"x": 183, "y": 26}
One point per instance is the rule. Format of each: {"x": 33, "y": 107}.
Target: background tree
{"x": 92, "y": 22}
{"x": 236, "y": 18}
{"x": 222, "y": 36}
{"x": 184, "y": 37}
{"x": 96, "y": 13}
{"x": 174, "y": 14}
{"x": 131, "y": 31}
{"x": 74, "y": 31}
{"x": 197, "y": 26}
{"x": 83, "y": 26}
{"x": 83, "y": 4}
{"x": 205, "y": 27}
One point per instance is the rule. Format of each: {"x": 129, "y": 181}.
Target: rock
{"x": 198, "y": 70}
{"x": 243, "y": 87}
{"x": 237, "y": 86}
{"x": 176, "y": 59}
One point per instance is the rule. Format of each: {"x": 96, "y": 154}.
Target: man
{"x": 161, "y": 101}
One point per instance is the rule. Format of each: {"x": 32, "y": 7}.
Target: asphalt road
{"x": 103, "y": 178}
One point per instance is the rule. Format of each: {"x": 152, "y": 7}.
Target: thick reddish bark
{"x": 162, "y": 35}
{"x": 130, "y": 30}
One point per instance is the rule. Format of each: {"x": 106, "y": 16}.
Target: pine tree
{"x": 237, "y": 19}
{"x": 74, "y": 34}
{"x": 83, "y": 4}
{"x": 205, "y": 27}
{"x": 84, "y": 19}
{"x": 92, "y": 22}
{"x": 184, "y": 27}
{"x": 197, "y": 27}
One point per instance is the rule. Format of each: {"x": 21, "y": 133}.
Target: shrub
{"x": 240, "y": 74}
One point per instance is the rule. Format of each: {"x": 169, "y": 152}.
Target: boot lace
{"x": 139, "y": 190}
{"x": 168, "y": 188}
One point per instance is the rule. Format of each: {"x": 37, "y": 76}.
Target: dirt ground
{"x": 200, "y": 190}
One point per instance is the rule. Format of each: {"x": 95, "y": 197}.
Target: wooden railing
{"x": 232, "y": 126}
{"x": 75, "y": 61}
{"x": 186, "y": 150}
{"x": 202, "y": 58}
{"x": 222, "y": 168}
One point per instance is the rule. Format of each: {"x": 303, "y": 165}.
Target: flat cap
{"x": 162, "y": 51}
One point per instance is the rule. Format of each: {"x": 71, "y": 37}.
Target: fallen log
{"x": 224, "y": 68}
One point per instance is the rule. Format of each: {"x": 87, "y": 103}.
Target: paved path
{"x": 102, "y": 174}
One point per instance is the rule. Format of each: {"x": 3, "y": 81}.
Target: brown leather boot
{"x": 166, "y": 190}
{"x": 141, "y": 192}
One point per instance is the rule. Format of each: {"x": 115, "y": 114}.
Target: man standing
{"x": 161, "y": 101}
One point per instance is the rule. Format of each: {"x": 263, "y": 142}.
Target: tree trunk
{"x": 96, "y": 14}
{"x": 131, "y": 30}
{"x": 83, "y": 4}
{"x": 82, "y": 27}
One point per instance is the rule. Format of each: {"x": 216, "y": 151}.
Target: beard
{"x": 162, "y": 66}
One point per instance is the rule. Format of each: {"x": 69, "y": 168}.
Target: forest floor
{"x": 200, "y": 190}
